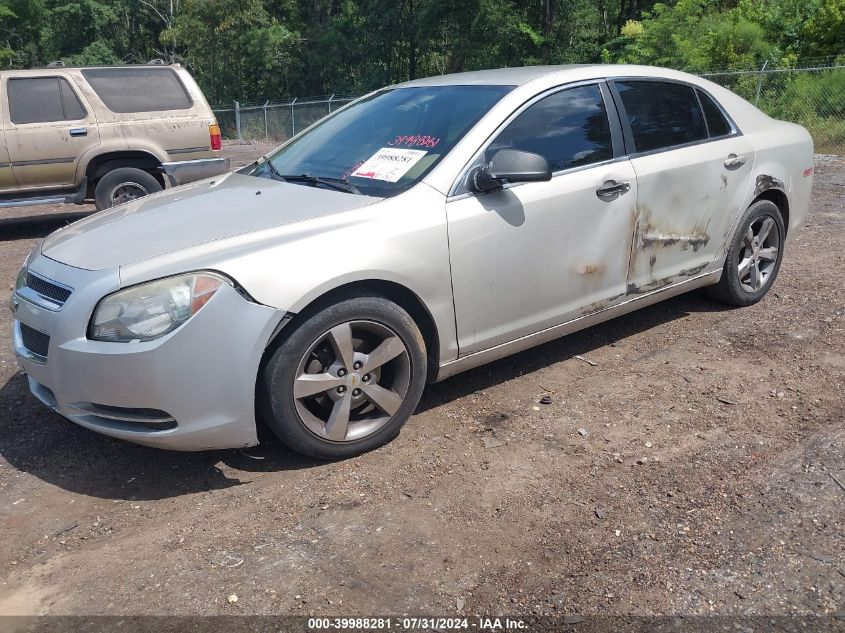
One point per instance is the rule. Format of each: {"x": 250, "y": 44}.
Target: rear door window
{"x": 661, "y": 114}
{"x": 43, "y": 100}
{"x": 569, "y": 129}
{"x": 125, "y": 90}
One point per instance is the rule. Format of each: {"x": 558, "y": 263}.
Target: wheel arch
{"x": 393, "y": 291}
{"x": 103, "y": 163}
{"x": 772, "y": 189}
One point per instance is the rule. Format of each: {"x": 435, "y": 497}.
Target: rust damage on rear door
{"x": 650, "y": 237}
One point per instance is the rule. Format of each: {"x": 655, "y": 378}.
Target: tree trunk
{"x": 601, "y": 7}
{"x": 412, "y": 41}
{"x": 621, "y": 21}
{"x": 550, "y": 8}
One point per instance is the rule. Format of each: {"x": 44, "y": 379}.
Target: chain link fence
{"x": 812, "y": 96}
{"x": 275, "y": 121}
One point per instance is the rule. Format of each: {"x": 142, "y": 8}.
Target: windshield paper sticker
{"x": 389, "y": 164}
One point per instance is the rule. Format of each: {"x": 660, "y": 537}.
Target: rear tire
{"x": 344, "y": 380}
{"x": 124, "y": 185}
{"x": 754, "y": 256}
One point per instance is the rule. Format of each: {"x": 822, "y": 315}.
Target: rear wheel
{"x": 754, "y": 256}
{"x": 124, "y": 185}
{"x": 345, "y": 380}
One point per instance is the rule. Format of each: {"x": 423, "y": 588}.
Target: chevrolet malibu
{"x": 422, "y": 230}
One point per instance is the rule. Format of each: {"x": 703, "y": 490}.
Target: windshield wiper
{"x": 338, "y": 184}
{"x": 273, "y": 171}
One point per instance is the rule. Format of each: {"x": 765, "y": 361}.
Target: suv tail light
{"x": 216, "y": 139}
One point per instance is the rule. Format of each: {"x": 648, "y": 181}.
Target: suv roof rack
{"x": 61, "y": 64}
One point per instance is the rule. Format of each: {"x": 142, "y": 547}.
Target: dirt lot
{"x": 690, "y": 467}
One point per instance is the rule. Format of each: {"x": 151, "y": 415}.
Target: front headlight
{"x": 151, "y": 310}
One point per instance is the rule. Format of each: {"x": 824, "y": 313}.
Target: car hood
{"x": 190, "y": 215}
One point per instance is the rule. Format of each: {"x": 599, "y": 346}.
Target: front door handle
{"x": 78, "y": 131}
{"x": 611, "y": 190}
{"x": 734, "y": 162}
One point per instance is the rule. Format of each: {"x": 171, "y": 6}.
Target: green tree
{"x": 21, "y": 22}
{"x": 694, "y": 35}
{"x": 234, "y": 47}
{"x": 824, "y": 32}
{"x": 91, "y": 36}
{"x": 253, "y": 50}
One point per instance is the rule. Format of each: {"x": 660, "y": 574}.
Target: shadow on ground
{"x": 36, "y": 440}
{"x": 40, "y": 442}
{"x": 577, "y": 344}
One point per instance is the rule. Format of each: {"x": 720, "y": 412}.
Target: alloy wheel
{"x": 352, "y": 381}
{"x": 759, "y": 254}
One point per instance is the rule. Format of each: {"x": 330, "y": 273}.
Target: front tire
{"x": 124, "y": 185}
{"x": 345, "y": 380}
{"x": 754, "y": 256}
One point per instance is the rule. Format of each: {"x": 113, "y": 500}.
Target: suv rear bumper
{"x": 185, "y": 171}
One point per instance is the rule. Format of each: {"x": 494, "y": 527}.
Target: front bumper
{"x": 193, "y": 389}
{"x": 185, "y": 171}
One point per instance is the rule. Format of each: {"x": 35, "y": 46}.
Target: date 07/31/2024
{"x": 479, "y": 623}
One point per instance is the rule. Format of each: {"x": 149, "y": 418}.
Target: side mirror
{"x": 511, "y": 165}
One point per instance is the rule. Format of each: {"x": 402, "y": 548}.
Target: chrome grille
{"x": 35, "y": 341}
{"x": 48, "y": 289}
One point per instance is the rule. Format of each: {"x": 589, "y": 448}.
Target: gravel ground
{"x": 694, "y": 466}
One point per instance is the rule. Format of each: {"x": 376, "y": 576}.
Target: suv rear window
{"x": 43, "y": 100}
{"x": 662, "y": 114}
{"x": 138, "y": 89}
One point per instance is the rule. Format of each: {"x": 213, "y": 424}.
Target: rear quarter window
{"x": 717, "y": 124}
{"x": 126, "y": 90}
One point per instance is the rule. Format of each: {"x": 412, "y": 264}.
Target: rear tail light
{"x": 216, "y": 138}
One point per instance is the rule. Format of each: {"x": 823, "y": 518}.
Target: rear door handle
{"x": 734, "y": 162}
{"x": 78, "y": 131}
{"x": 611, "y": 190}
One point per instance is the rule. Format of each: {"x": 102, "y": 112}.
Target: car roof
{"x": 494, "y": 77}
{"x": 524, "y": 74}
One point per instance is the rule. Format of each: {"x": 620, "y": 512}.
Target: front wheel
{"x": 346, "y": 379}
{"x": 754, "y": 256}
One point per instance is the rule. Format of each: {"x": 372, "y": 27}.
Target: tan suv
{"x": 106, "y": 134}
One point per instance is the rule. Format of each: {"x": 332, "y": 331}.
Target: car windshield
{"x": 384, "y": 144}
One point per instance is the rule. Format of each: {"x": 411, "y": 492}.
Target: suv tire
{"x": 123, "y": 185}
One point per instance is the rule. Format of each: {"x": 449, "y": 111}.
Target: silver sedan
{"x": 422, "y": 230}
